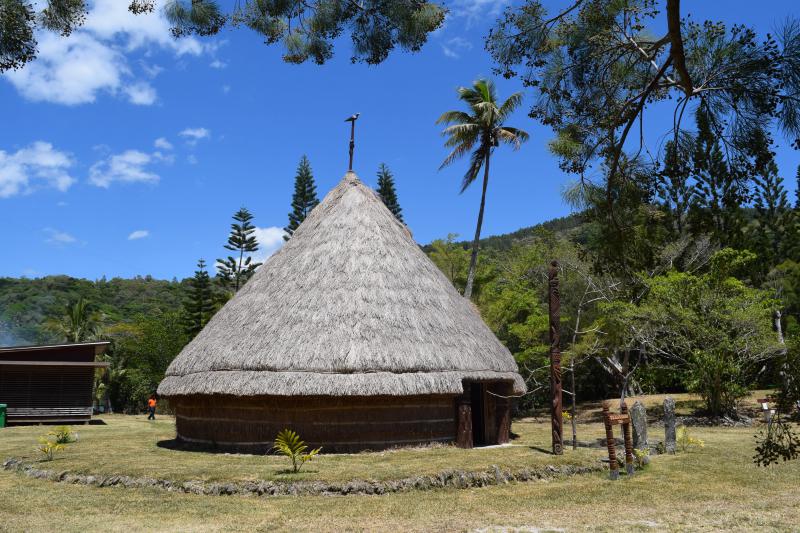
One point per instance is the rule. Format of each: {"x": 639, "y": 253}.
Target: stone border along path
{"x": 447, "y": 479}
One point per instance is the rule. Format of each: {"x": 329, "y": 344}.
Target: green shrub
{"x": 48, "y": 448}
{"x": 686, "y": 442}
{"x": 64, "y": 435}
{"x": 288, "y": 443}
{"x": 640, "y": 455}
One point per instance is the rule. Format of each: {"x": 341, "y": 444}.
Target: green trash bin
{"x": 3, "y": 415}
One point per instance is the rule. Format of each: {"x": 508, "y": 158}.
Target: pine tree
{"x": 234, "y": 272}
{"x": 198, "y": 307}
{"x": 304, "y": 198}
{"x": 718, "y": 189}
{"x": 797, "y": 191}
{"x": 772, "y": 215}
{"x": 387, "y": 191}
{"x": 674, "y": 188}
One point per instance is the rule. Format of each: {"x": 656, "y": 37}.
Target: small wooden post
{"x": 554, "y": 304}
{"x": 464, "y": 429}
{"x": 626, "y": 431}
{"x": 612, "y": 447}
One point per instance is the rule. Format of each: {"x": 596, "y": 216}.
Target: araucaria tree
{"x": 387, "y": 191}
{"x": 772, "y": 237}
{"x": 479, "y": 131}
{"x": 198, "y": 307}
{"x": 235, "y": 271}
{"x": 304, "y": 198}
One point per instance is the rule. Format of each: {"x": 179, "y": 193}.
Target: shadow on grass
{"x": 542, "y": 450}
{"x": 289, "y": 473}
{"x": 184, "y": 446}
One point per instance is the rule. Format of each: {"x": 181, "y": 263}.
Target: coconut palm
{"x": 78, "y": 324}
{"x": 479, "y": 131}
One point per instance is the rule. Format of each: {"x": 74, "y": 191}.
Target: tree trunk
{"x": 676, "y": 39}
{"x": 473, "y": 260}
{"x": 776, "y": 317}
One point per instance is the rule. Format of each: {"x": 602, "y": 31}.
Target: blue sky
{"x": 125, "y": 152}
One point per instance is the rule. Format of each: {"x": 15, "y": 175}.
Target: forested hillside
{"x": 27, "y": 305}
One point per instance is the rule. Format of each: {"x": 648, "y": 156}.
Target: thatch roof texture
{"x": 350, "y": 306}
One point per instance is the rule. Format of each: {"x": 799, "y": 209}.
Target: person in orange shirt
{"x": 151, "y": 407}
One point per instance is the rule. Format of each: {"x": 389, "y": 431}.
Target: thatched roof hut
{"x": 349, "y": 318}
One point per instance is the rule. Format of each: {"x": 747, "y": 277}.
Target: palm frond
{"x": 457, "y": 117}
{"x": 512, "y": 136}
{"x": 508, "y": 107}
{"x": 461, "y": 133}
{"x": 457, "y": 153}
{"x": 475, "y": 163}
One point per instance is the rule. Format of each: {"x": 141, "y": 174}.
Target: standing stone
{"x": 669, "y": 425}
{"x": 639, "y": 423}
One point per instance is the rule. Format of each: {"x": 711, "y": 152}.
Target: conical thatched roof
{"x": 350, "y": 306}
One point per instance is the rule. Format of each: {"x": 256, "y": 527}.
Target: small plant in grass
{"x": 64, "y": 435}
{"x": 288, "y": 443}
{"x": 640, "y": 455}
{"x": 48, "y": 448}
{"x": 566, "y": 416}
{"x": 777, "y": 442}
{"x": 686, "y": 442}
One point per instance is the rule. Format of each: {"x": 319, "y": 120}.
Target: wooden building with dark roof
{"x": 49, "y": 383}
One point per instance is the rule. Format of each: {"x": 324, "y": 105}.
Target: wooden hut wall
{"x": 56, "y": 386}
{"x": 339, "y": 424}
{"x": 46, "y": 386}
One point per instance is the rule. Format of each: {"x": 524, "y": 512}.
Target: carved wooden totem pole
{"x": 554, "y": 302}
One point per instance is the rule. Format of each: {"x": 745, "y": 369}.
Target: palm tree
{"x": 481, "y": 129}
{"x": 78, "y": 324}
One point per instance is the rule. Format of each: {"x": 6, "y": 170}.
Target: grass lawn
{"x": 714, "y": 488}
{"x": 128, "y": 445}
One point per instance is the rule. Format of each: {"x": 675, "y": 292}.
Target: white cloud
{"x": 191, "y": 159}
{"x": 195, "y": 134}
{"x": 217, "y": 64}
{"x": 162, "y": 144}
{"x": 141, "y": 93}
{"x": 151, "y": 70}
{"x": 110, "y": 19}
{"x": 226, "y": 89}
{"x": 70, "y": 70}
{"x": 74, "y": 70}
{"x": 453, "y": 47}
{"x": 164, "y": 158}
{"x": 473, "y": 10}
{"x": 38, "y": 163}
{"x": 138, "y": 234}
{"x": 58, "y": 237}
{"x": 129, "y": 167}
{"x": 270, "y": 240}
